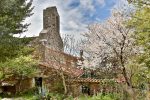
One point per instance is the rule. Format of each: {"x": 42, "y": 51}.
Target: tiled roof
{"x": 90, "y": 80}
{"x": 61, "y": 53}
{"x": 73, "y": 71}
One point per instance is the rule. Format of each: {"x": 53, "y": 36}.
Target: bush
{"x": 56, "y": 96}
{"x": 109, "y": 96}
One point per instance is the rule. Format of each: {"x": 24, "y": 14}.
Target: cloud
{"x": 101, "y": 2}
{"x": 87, "y": 4}
{"x": 75, "y": 15}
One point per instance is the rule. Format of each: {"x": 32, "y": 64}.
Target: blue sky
{"x": 75, "y": 15}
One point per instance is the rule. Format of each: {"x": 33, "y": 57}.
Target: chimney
{"x": 81, "y": 55}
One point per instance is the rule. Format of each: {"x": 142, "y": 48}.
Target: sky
{"x": 75, "y": 15}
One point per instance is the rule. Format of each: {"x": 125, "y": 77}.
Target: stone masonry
{"x": 50, "y": 33}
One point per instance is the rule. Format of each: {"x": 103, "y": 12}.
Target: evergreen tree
{"x": 13, "y": 14}
{"x": 15, "y": 55}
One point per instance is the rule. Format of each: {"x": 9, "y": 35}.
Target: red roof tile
{"x": 90, "y": 80}
{"x": 73, "y": 71}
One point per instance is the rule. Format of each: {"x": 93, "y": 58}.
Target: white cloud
{"x": 101, "y": 2}
{"x": 71, "y": 19}
{"x": 87, "y": 4}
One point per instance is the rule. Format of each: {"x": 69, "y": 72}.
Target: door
{"x": 85, "y": 89}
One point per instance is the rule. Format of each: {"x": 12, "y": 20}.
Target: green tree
{"x": 12, "y": 47}
{"x": 22, "y": 66}
{"x": 139, "y": 2}
{"x": 140, "y": 22}
{"x": 15, "y": 55}
{"x": 139, "y": 68}
{"x": 13, "y": 14}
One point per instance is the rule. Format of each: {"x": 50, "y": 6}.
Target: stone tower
{"x": 51, "y": 27}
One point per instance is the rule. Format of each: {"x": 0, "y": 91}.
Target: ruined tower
{"x": 51, "y": 27}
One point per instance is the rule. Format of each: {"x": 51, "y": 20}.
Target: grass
{"x": 30, "y": 95}
{"x": 100, "y": 96}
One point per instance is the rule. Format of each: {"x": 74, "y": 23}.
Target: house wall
{"x": 53, "y": 85}
{"x": 17, "y": 87}
{"x": 60, "y": 57}
{"x": 94, "y": 88}
{"x": 24, "y": 85}
{"x": 51, "y": 80}
{"x": 75, "y": 89}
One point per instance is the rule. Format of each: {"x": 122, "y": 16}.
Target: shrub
{"x": 109, "y": 96}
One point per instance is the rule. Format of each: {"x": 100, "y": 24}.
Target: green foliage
{"x": 28, "y": 95}
{"x": 141, "y": 23}
{"x": 23, "y": 66}
{"x": 109, "y": 82}
{"x": 58, "y": 87}
{"x": 139, "y": 3}
{"x": 140, "y": 65}
{"x": 106, "y": 97}
{"x": 138, "y": 72}
{"x": 56, "y": 96}
{"x": 12, "y": 47}
{"x": 13, "y": 14}
{"x": 15, "y": 57}
{"x": 109, "y": 96}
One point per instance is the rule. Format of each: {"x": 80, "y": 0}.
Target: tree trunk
{"x": 126, "y": 77}
{"x": 64, "y": 83}
{"x": 129, "y": 88}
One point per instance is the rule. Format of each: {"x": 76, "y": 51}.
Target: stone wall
{"x": 13, "y": 85}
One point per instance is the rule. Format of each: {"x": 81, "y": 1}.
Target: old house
{"x": 13, "y": 85}
{"x": 54, "y": 62}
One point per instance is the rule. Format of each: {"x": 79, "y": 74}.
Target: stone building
{"x": 54, "y": 60}
{"x": 14, "y": 85}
